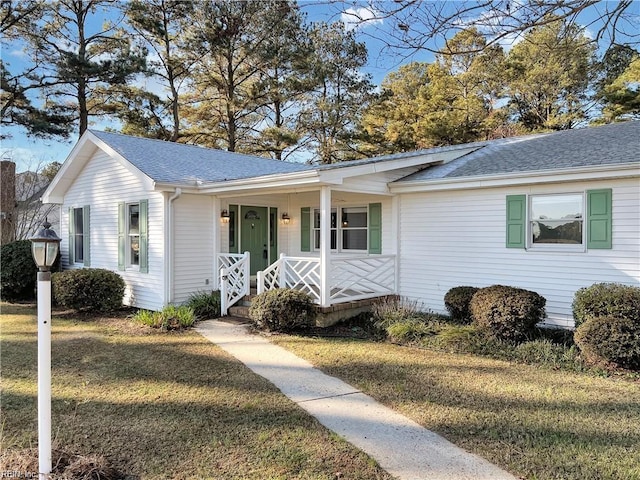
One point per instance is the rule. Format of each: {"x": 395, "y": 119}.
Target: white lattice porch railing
{"x": 350, "y": 278}
{"x": 234, "y": 278}
{"x": 356, "y": 278}
{"x": 297, "y": 273}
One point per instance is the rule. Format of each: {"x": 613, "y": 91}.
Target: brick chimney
{"x": 7, "y": 200}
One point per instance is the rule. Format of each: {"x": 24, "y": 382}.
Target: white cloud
{"x": 18, "y": 53}
{"x": 354, "y": 18}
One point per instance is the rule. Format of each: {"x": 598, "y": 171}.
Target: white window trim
{"x": 76, "y": 235}
{"x": 127, "y": 245}
{"x": 555, "y": 247}
{"x": 339, "y": 229}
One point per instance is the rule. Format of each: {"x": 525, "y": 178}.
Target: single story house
{"x": 549, "y": 212}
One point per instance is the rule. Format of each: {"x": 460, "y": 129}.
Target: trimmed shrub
{"x": 170, "y": 318}
{"x": 610, "y": 339}
{"x": 394, "y": 309}
{"x": 205, "y": 305}
{"x": 282, "y": 310}
{"x": 507, "y": 313}
{"x": 93, "y": 289}
{"x": 457, "y": 301}
{"x": 19, "y": 271}
{"x": 606, "y": 300}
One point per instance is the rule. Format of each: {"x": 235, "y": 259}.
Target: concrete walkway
{"x": 400, "y": 446}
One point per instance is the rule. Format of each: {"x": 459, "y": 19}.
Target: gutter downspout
{"x": 169, "y": 254}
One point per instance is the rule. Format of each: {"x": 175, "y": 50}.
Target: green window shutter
{"x": 305, "y": 229}
{"x": 72, "y": 236}
{"x": 516, "y": 220}
{"x": 375, "y": 228}
{"x": 144, "y": 236}
{"x": 599, "y": 218}
{"x": 234, "y": 223}
{"x": 121, "y": 236}
{"x": 86, "y": 235}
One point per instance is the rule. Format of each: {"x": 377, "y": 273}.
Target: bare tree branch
{"x": 408, "y": 26}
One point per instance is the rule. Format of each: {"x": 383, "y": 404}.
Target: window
{"x": 556, "y": 219}
{"x": 79, "y": 235}
{"x": 133, "y": 232}
{"x": 133, "y": 238}
{"x": 560, "y": 222}
{"x": 354, "y": 228}
{"x": 334, "y": 229}
{"x": 78, "y": 240}
{"x": 350, "y": 234}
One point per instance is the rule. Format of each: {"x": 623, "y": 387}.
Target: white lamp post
{"x": 45, "y": 245}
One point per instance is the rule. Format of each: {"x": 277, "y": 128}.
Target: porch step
{"x": 241, "y": 311}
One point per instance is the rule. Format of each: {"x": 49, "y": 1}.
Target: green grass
{"x": 537, "y": 422}
{"x": 161, "y": 405}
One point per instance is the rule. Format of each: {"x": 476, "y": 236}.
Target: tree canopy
{"x": 260, "y": 78}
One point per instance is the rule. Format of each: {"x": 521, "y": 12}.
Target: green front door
{"x": 254, "y": 238}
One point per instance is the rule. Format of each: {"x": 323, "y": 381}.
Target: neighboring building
{"x": 30, "y": 212}
{"x": 550, "y": 213}
{"x": 7, "y": 201}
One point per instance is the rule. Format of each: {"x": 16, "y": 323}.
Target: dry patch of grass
{"x": 161, "y": 406}
{"x": 537, "y": 423}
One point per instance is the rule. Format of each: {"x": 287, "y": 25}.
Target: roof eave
{"x": 620, "y": 170}
{"x": 335, "y": 176}
{"x": 83, "y": 152}
{"x": 275, "y": 181}
{"x": 61, "y": 182}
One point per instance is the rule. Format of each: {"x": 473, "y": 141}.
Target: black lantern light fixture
{"x": 45, "y": 245}
{"x": 285, "y": 218}
{"x": 224, "y": 216}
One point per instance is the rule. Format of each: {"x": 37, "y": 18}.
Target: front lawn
{"x": 161, "y": 406}
{"x": 537, "y": 422}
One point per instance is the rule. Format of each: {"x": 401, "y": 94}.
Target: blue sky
{"x": 29, "y": 153}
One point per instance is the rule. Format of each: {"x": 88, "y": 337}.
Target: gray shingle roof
{"x": 398, "y": 156}
{"x": 168, "y": 162}
{"x": 617, "y": 143}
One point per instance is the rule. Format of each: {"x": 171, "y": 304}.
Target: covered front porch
{"x": 338, "y": 247}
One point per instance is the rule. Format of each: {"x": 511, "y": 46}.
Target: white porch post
{"x": 395, "y": 239}
{"x": 325, "y": 245}
{"x": 217, "y": 235}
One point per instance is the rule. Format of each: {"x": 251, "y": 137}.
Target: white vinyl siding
{"x": 194, "y": 255}
{"x": 454, "y": 238}
{"x": 102, "y": 184}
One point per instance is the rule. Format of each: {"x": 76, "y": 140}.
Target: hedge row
{"x": 607, "y": 318}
